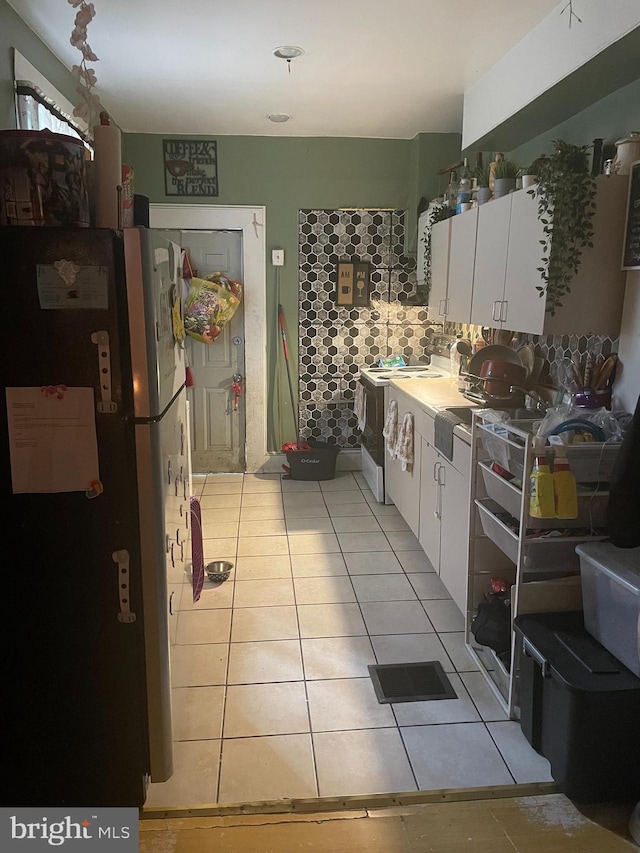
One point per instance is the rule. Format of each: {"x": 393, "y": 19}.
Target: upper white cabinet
{"x": 498, "y": 246}
{"x": 461, "y": 266}
{"x": 491, "y": 246}
{"x": 453, "y": 243}
{"x": 440, "y": 238}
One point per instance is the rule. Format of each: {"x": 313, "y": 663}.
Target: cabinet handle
{"x": 495, "y": 315}
{"x": 441, "y": 308}
{"x": 442, "y": 471}
{"x": 437, "y": 468}
{"x": 446, "y": 306}
{"x": 503, "y": 309}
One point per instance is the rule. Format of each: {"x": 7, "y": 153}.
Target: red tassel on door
{"x": 189, "y": 377}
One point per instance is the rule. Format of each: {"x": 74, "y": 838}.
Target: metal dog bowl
{"x": 218, "y": 570}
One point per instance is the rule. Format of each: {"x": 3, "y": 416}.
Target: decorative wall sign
{"x": 190, "y": 167}
{"x": 353, "y": 283}
{"x": 631, "y": 251}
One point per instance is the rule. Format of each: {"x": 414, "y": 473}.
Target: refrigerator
{"x": 95, "y": 495}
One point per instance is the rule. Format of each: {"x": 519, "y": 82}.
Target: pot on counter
{"x": 495, "y": 369}
{"x": 498, "y": 376}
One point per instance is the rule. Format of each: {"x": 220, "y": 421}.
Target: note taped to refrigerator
{"x": 52, "y": 439}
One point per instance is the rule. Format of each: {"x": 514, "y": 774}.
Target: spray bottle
{"x": 564, "y": 482}
{"x": 541, "y": 494}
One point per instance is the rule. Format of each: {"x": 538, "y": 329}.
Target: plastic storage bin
{"x": 611, "y": 599}
{"x": 579, "y": 708}
{"x": 319, "y": 463}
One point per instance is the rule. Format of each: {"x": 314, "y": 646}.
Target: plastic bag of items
{"x": 210, "y": 303}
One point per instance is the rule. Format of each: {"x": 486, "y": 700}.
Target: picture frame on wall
{"x": 631, "y": 246}
{"x": 190, "y": 167}
{"x": 353, "y": 288}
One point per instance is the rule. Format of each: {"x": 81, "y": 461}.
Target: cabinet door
{"x": 524, "y": 308}
{"x": 403, "y": 487}
{"x": 454, "y": 533}
{"x": 490, "y": 261}
{"x": 430, "y": 504}
{"x": 461, "y": 263}
{"x": 440, "y": 236}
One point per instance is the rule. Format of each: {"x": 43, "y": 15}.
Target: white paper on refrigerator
{"x": 52, "y": 439}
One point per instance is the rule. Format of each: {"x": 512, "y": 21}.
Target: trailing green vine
{"x": 565, "y": 193}
{"x": 438, "y": 212}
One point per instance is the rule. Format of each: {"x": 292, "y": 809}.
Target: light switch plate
{"x": 277, "y": 257}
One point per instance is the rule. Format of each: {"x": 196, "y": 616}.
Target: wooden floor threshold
{"x": 365, "y": 802}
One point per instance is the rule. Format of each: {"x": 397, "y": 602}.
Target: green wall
{"x": 286, "y": 174}
{"x": 611, "y": 118}
{"x": 15, "y": 33}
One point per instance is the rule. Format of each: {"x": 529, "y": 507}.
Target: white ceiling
{"x": 371, "y": 68}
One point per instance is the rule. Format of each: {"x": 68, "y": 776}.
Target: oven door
{"x": 372, "y": 439}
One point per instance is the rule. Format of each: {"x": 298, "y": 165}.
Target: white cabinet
{"x": 452, "y": 260}
{"x": 444, "y": 523}
{"x": 490, "y": 261}
{"x": 508, "y": 254}
{"x": 440, "y": 237}
{"x": 403, "y": 487}
{"x": 461, "y": 265}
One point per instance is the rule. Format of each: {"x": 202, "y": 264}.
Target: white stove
{"x": 374, "y": 381}
{"x": 382, "y": 375}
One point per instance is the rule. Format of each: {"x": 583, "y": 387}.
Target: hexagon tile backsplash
{"x": 334, "y": 341}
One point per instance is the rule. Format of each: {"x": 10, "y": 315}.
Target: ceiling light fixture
{"x": 278, "y": 118}
{"x": 287, "y": 52}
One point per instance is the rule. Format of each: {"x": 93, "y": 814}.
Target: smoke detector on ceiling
{"x": 278, "y": 118}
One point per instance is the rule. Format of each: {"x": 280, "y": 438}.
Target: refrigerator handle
{"x": 106, "y": 404}
{"x": 122, "y": 560}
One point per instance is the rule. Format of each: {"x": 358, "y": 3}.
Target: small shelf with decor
{"x": 531, "y": 561}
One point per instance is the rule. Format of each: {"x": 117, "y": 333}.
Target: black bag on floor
{"x": 492, "y": 625}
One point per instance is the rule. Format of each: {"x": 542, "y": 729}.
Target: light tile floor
{"x": 271, "y": 693}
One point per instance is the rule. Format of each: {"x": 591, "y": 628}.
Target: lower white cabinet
{"x": 444, "y": 524}
{"x": 403, "y": 487}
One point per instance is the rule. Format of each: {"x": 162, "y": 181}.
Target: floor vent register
{"x": 411, "y": 682}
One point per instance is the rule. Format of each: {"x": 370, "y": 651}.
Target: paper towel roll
{"x": 108, "y": 174}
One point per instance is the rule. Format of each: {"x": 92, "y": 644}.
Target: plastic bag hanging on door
{"x": 211, "y": 302}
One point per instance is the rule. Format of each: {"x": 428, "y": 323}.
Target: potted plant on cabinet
{"x": 565, "y": 194}
{"x": 505, "y": 175}
{"x": 437, "y": 212}
{"x": 483, "y": 191}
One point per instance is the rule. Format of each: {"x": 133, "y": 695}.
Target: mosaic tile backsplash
{"x": 335, "y": 341}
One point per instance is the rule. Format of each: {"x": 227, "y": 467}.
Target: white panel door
{"x": 217, "y": 426}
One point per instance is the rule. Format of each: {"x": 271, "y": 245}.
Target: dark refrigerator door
{"x": 73, "y": 672}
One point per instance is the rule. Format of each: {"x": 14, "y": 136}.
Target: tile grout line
{"x": 226, "y": 679}
{"x": 304, "y": 677}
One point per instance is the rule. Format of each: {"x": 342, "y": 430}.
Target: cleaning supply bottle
{"x": 541, "y": 494}
{"x": 564, "y": 482}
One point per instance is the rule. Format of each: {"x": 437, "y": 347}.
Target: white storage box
{"x": 611, "y": 599}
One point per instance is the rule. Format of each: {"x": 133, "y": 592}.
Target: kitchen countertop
{"x": 433, "y": 395}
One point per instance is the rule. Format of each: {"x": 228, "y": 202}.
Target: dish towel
{"x": 390, "y": 431}
{"x": 404, "y": 445}
{"x": 359, "y": 407}
{"x": 444, "y": 424}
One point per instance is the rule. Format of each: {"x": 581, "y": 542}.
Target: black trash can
{"x": 579, "y": 708}
{"x": 318, "y": 463}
